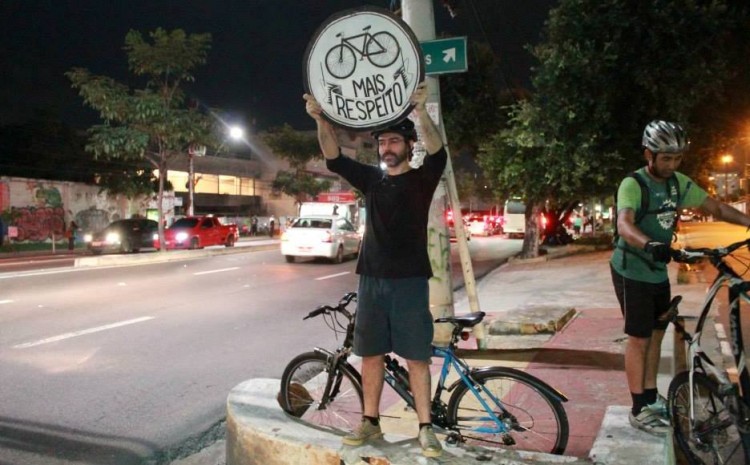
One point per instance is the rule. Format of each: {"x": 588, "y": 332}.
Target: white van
{"x": 514, "y": 218}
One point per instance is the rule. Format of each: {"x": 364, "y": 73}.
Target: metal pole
{"x": 419, "y": 15}
{"x": 191, "y": 182}
{"x": 726, "y": 184}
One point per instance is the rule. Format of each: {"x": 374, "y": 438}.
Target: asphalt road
{"x": 131, "y": 365}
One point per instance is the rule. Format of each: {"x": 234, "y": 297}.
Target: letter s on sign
{"x": 428, "y": 59}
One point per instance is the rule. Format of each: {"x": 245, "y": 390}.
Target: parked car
{"x": 196, "y": 232}
{"x": 123, "y": 236}
{"x": 331, "y": 237}
{"x": 484, "y": 223}
{"x": 452, "y": 227}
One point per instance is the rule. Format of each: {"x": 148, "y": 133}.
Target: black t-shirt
{"x": 395, "y": 242}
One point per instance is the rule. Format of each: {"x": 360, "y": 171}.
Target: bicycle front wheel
{"x": 382, "y": 49}
{"x": 535, "y": 420}
{"x": 710, "y": 436}
{"x": 307, "y": 394}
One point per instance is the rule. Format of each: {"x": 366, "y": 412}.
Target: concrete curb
{"x": 531, "y": 320}
{"x": 164, "y": 257}
{"x": 616, "y": 430}
{"x": 553, "y": 252}
{"x": 259, "y": 432}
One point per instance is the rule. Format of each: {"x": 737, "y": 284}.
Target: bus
{"x": 514, "y": 218}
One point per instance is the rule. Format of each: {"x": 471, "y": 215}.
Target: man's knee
{"x": 639, "y": 343}
{"x": 417, "y": 364}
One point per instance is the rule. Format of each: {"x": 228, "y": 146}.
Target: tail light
{"x": 328, "y": 237}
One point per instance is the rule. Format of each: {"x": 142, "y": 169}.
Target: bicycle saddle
{"x": 463, "y": 321}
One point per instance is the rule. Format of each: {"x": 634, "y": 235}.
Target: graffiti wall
{"x": 40, "y": 210}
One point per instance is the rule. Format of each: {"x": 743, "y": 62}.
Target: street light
{"x": 726, "y": 159}
{"x": 236, "y": 133}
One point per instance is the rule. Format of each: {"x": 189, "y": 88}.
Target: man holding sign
{"x": 393, "y": 312}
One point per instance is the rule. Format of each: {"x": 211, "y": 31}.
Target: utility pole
{"x": 419, "y": 15}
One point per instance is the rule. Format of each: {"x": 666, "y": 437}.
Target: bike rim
{"x": 342, "y": 410}
{"x": 711, "y": 436}
{"x": 529, "y": 417}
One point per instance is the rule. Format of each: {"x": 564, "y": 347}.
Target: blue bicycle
{"x": 496, "y": 406}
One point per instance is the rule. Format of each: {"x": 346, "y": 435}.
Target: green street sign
{"x": 445, "y": 55}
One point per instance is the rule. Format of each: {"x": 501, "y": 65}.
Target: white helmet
{"x": 664, "y": 137}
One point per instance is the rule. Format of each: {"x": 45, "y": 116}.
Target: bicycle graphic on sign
{"x": 381, "y": 49}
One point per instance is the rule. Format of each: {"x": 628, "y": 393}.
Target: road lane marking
{"x": 5, "y": 301}
{"x": 332, "y": 276}
{"x": 216, "y": 271}
{"x": 82, "y": 332}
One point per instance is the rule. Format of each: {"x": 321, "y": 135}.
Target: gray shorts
{"x": 393, "y": 315}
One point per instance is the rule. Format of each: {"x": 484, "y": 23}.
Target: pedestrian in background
{"x": 393, "y": 312}
{"x": 639, "y": 261}
{"x": 271, "y": 226}
{"x": 70, "y": 234}
{"x": 254, "y": 226}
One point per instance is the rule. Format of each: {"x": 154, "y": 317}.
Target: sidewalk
{"x": 573, "y": 340}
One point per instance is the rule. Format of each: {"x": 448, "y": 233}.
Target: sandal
{"x": 650, "y": 421}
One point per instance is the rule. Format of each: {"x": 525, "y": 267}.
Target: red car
{"x": 196, "y": 232}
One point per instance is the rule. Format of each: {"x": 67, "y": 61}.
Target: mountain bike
{"x": 381, "y": 50}
{"x": 709, "y": 412}
{"x": 496, "y": 406}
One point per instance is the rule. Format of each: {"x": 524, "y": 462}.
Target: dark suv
{"x": 124, "y": 236}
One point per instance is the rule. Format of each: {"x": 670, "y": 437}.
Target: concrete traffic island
{"x": 260, "y": 433}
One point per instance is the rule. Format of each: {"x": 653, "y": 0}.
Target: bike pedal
{"x": 452, "y": 440}
{"x": 508, "y": 440}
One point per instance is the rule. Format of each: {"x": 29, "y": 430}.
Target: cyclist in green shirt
{"x": 639, "y": 262}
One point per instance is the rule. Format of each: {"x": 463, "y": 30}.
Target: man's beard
{"x": 393, "y": 159}
{"x": 660, "y": 173}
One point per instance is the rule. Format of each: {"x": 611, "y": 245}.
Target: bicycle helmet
{"x": 404, "y": 127}
{"x": 664, "y": 137}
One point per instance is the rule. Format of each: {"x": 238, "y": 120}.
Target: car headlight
{"x": 181, "y": 236}
{"x": 113, "y": 238}
{"x": 88, "y": 237}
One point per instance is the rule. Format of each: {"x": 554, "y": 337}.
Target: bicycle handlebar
{"x": 320, "y": 310}
{"x": 689, "y": 255}
{"x": 341, "y": 307}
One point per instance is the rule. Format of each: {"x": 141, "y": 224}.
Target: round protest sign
{"x": 362, "y": 66}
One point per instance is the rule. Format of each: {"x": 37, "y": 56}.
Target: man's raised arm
{"x": 429, "y": 133}
{"x": 326, "y": 135}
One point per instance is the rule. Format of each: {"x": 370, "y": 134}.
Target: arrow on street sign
{"x": 445, "y": 55}
{"x": 449, "y": 55}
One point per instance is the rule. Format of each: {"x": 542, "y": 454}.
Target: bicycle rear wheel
{"x": 340, "y": 61}
{"x": 303, "y": 387}
{"x": 710, "y": 437}
{"x": 535, "y": 420}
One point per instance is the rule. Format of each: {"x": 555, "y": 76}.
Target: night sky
{"x": 254, "y": 69}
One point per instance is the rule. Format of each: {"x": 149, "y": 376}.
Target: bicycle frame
{"x": 351, "y": 42}
{"x": 727, "y": 276}
{"x": 463, "y": 370}
{"x": 697, "y": 358}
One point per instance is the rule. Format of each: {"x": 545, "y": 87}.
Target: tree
{"x": 153, "y": 123}
{"x": 605, "y": 69}
{"x": 298, "y": 149}
{"x": 473, "y": 101}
